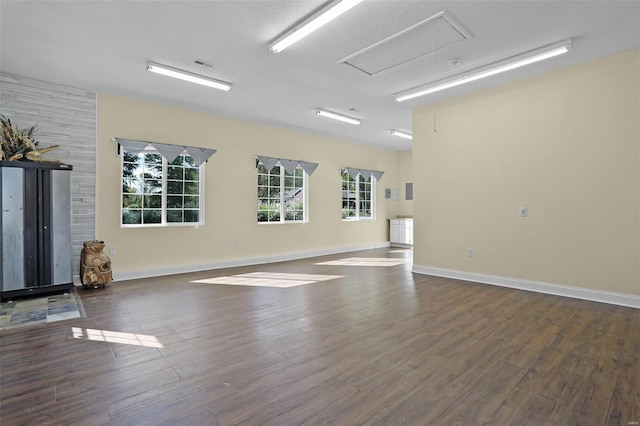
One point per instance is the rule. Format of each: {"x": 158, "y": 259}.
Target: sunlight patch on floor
{"x": 269, "y": 279}
{"x": 365, "y": 261}
{"x": 116, "y": 337}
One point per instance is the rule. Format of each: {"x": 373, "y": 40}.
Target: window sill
{"x": 165, "y": 225}
{"x": 291, "y": 222}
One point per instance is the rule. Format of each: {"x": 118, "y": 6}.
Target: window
{"x": 282, "y": 196}
{"x": 357, "y": 196}
{"x": 156, "y": 192}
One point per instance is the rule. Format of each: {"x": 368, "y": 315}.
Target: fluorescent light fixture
{"x": 401, "y": 134}
{"x": 188, "y": 76}
{"x": 322, "y": 17}
{"x": 493, "y": 69}
{"x": 337, "y": 116}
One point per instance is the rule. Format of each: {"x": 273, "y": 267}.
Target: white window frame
{"x": 305, "y": 201}
{"x": 164, "y": 184}
{"x": 372, "y": 201}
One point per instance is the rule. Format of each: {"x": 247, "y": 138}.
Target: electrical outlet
{"x": 112, "y": 249}
{"x": 469, "y": 252}
{"x": 524, "y": 211}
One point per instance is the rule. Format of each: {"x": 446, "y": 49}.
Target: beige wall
{"x": 404, "y": 165}
{"x": 565, "y": 145}
{"x": 405, "y": 175}
{"x": 230, "y": 231}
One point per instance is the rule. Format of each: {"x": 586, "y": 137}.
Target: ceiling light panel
{"x": 188, "y": 76}
{"x": 524, "y": 59}
{"x": 430, "y": 35}
{"x": 310, "y": 24}
{"x": 337, "y": 116}
{"x": 401, "y": 134}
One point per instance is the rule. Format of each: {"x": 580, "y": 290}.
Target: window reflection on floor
{"x": 407, "y": 251}
{"x": 116, "y": 337}
{"x": 269, "y": 279}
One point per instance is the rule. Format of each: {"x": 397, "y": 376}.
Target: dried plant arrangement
{"x": 19, "y": 144}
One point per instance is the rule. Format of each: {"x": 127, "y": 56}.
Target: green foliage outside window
{"x": 357, "y": 199}
{"x": 281, "y": 195}
{"x": 157, "y": 192}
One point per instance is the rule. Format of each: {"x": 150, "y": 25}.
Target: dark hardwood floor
{"x": 377, "y": 346}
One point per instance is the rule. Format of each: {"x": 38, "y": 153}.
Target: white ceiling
{"x": 104, "y": 45}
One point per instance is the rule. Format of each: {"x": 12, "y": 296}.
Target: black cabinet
{"x": 35, "y": 228}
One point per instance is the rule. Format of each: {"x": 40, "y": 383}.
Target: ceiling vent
{"x": 430, "y": 35}
{"x": 203, "y": 63}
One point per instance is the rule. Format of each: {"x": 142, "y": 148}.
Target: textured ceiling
{"x": 104, "y": 45}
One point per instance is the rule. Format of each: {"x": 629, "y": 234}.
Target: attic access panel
{"x": 430, "y": 35}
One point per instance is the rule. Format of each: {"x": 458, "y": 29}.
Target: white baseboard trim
{"x": 233, "y": 263}
{"x": 535, "y": 286}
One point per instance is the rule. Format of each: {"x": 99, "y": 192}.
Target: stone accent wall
{"x": 65, "y": 116}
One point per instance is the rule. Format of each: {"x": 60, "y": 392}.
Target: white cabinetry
{"x": 401, "y": 231}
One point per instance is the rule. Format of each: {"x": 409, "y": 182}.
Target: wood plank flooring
{"x": 376, "y": 346}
